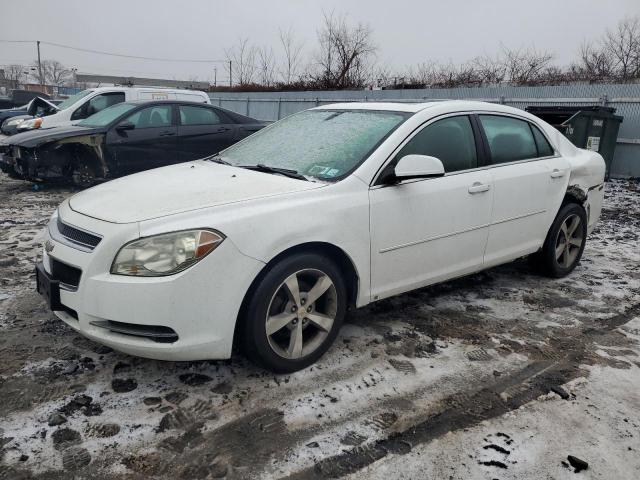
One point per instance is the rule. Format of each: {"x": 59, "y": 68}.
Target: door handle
{"x": 166, "y": 134}
{"x": 222, "y": 129}
{"x": 478, "y": 187}
{"x": 557, "y": 173}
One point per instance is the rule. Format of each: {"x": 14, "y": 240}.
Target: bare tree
{"x": 594, "y": 65}
{"x": 383, "y": 76}
{"x": 344, "y": 53}
{"x": 55, "y": 73}
{"x": 13, "y": 74}
{"x": 37, "y": 74}
{"x": 266, "y": 66}
{"x": 623, "y": 46}
{"x": 490, "y": 70}
{"x": 243, "y": 58}
{"x": 525, "y": 66}
{"x": 424, "y": 73}
{"x": 292, "y": 56}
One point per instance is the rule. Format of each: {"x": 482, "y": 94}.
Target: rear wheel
{"x": 565, "y": 241}
{"x": 294, "y": 313}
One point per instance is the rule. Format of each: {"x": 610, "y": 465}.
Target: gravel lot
{"x": 503, "y": 374}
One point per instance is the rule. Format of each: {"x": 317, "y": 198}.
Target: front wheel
{"x": 565, "y": 241}
{"x": 294, "y": 313}
{"x": 83, "y": 176}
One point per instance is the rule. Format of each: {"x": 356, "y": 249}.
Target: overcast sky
{"x": 405, "y": 32}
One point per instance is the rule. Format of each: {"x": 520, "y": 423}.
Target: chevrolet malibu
{"x": 270, "y": 243}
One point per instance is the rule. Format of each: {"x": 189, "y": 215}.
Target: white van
{"x": 90, "y": 101}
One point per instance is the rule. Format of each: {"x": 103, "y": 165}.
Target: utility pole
{"x": 215, "y": 77}
{"x": 230, "y": 78}
{"x": 40, "y": 66}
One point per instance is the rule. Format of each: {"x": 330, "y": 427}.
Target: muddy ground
{"x": 503, "y": 374}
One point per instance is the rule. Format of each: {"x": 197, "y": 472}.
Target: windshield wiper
{"x": 282, "y": 171}
{"x": 217, "y": 159}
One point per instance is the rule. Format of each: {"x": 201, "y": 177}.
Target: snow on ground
{"x": 451, "y": 381}
{"x": 599, "y": 424}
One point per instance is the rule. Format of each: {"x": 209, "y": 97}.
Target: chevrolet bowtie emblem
{"x": 48, "y": 246}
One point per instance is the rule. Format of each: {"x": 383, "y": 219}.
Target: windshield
{"x": 73, "y": 99}
{"x": 327, "y": 144}
{"x": 106, "y": 116}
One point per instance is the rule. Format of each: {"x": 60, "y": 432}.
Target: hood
{"x": 180, "y": 188}
{"x": 4, "y": 114}
{"x": 48, "y": 107}
{"x": 35, "y": 138}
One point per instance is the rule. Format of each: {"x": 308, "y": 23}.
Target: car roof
{"x": 411, "y": 107}
{"x": 146, "y": 88}
{"x": 168, "y": 100}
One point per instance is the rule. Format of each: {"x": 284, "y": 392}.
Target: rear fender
{"x": 586, "y": 183}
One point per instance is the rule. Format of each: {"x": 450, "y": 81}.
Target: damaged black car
{"x": 126, "y": 138}
{"x": 37, "y": 107}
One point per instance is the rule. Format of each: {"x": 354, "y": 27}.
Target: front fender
{"x": 337, "y": 214}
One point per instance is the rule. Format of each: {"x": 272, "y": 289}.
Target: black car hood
{"x": 4, "y": 114}
{"x": 35, "y": 138}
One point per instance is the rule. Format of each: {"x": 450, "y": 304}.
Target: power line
{"x": 121, "y": 55}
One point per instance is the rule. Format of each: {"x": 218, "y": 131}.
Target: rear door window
{"x": 544, "y": 148}
{"x": 192, "y": 115}
{"x": 510, "y": 139}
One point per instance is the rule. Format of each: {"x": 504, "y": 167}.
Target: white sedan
{"x": 269, "y": 243}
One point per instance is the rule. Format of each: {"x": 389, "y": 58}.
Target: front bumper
{"x": 200, "y": 304}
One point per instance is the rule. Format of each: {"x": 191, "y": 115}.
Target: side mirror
{"x": 418, "y": 166}
{"x": 124, "y": 126}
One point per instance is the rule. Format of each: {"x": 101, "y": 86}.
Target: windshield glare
{"x": 327, "y": 144}
{"x": 73, "y": 99}
{"x": 106, "y": 116}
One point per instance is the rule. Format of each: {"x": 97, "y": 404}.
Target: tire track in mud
{"x": 468, "y": 409}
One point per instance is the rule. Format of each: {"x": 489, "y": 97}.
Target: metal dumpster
{"x": 593, "y": 127}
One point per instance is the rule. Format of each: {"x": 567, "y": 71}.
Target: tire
{"x": 558, "y": 257}
{"x": 282, "y": 331}
{"x": 83, "y": 176}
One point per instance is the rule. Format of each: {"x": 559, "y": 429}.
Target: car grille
{"x": 76, "y": 235}
{"x": 65, "y": 273}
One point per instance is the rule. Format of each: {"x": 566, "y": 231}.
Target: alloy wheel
{"x": 569, "y": 241}
{"x": 301, "y": 313}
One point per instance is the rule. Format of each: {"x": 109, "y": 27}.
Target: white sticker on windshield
{"x": 320, "y": 170}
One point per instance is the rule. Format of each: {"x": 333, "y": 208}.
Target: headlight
{"x": 13, "y": 122}
{"x": 165, "y": 254}
{"x": 30, "y": 124}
